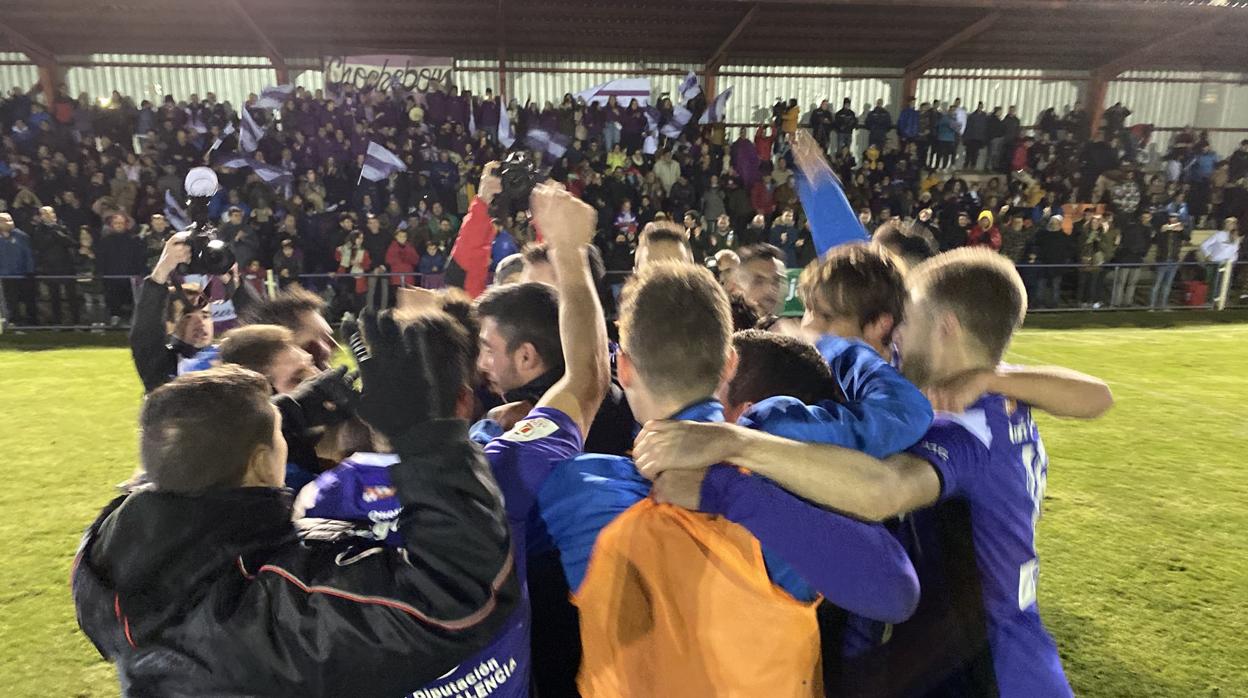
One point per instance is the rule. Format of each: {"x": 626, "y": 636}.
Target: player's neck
{"x": 959, "y": 360}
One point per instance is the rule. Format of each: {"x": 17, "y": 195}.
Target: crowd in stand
{"x": 83, "y": 187}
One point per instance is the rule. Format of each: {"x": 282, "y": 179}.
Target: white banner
{"x": 387, "y": 72}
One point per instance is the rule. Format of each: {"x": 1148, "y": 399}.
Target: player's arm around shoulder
{"x": 1061, "y": 392}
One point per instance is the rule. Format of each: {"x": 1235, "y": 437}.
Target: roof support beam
{"x": 1135, "y": 56}
{"x": 718, "y": 56}
{"x": 1098, "y": 80}
{"x": 36, "y": 51}
{"x": 270, "y": 50}
{"x": 500, "y": 30}
{"x": 983, "y": 24}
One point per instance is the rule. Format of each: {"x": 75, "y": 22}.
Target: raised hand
{"x": 565, "y": 221}
{"x": 399, "y": 382}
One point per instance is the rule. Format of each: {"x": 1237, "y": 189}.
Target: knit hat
{"x": 985, "y": 214}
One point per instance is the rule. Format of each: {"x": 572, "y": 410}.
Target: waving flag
{"x": 249, "y": 132}
{"x": 380, "y": 163}
{"x": 175, "y": 213}
{"x": 553, "y": 144}
{"x": 505, "y": 136}
{"x": 272, "y": 175}
{"x": 676, "y": 125}
{"x": 225, "y": 132}
{"x": 717, "y": 110}
{"x": 624, "y": 91}
{"x": 233, "y": 160}
{"x": 689, "y": 87}
{"x": 194, "y": 121}
{"x": 275, "y": 96}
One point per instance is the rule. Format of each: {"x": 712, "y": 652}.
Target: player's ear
{"x": 466, "y": 404}
{"x": 879, "y": 332}
{"x": 731, "y": 361}
{"x": 625, "y": 372}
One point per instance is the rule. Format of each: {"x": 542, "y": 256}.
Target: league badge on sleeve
{"x": 531, "y": 430}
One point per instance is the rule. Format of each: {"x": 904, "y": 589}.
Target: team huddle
{"x": 513, "y": 504}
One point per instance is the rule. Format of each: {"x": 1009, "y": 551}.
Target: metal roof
{"x": 1043, "y": 34}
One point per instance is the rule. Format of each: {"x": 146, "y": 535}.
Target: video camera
{"x": 517, "y": 174}
{"x": 209, "y": 254}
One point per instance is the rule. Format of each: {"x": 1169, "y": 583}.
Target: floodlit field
{"x": 1144, "y": 539}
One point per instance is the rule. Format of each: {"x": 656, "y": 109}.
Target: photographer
{"x": 202, "y": 585}
{"x": 172, "y": 331}
{"x": 470, "y": 257}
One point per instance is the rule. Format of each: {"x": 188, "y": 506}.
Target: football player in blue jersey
{"x": 961, "y": 312}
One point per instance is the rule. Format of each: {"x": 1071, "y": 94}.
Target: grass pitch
{"x": 1143, "y": 542}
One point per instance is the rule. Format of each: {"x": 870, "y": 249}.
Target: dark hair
{"x": 771, "y": 364}
{"x": 911, "y": 241}
{"x": 197, "y": 433}
{"x": 675, "y": 326}
{"x": 981, "y": 288}
{"x": 526, "y": 313}
{"x": 284, "y": 309}
{"x": 855, "y": 282}
{"x": 449, "y": 349}
{"x": 255, "y": 346}
{"x": 454, "y": 302}
{"x": 536, "y": 253}
{"x": 743, "y": 315}
{"x": 759, "y": 250}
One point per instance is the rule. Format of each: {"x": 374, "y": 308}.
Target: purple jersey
{"x": 992, "y": 458}
{"x": 359, "y": 489}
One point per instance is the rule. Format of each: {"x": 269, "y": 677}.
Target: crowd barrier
{"x": 105, "y": 302}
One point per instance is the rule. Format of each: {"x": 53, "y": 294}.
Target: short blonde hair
{"x": 981, "y": 288}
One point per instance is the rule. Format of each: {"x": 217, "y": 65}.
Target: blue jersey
{"x": 991, "y": 457}
{"x": 359, "y": 489}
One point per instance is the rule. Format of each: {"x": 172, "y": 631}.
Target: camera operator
{"x": 172, "y": 330}
{"x": 202, "y": 585}
{"x": 470, "y": 256}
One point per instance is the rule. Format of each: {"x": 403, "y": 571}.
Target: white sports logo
{"x": 531, "y": 429}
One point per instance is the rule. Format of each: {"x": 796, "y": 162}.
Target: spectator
{"x": 1016, "y": 238}
{"x": 845, "y": 122}
{"x": 821, "y": 124}
{"x": 16, "y": 264}
{"x": 287, "y": 264}
{"x": 1053, "y": 249}
{"x": 986, "y": 233}
{"x": 908, "y": 123}
{"x": 433, "y": 261}
{"x": 1220, "y": 250}
{"x": 1169, "y": 241}
{"x": 878, "y": 123}
{"x": 784, "y": 236}
{"x": 976, "y": 134}
{"x": 1136, "y": 238}
{"x": 353, "y": 259}
{"x": 54, "y": 249}
{"x": 119, "y": 254}
{"x": 401, "y": 258}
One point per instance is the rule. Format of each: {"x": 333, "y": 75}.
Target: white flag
{"x": 249, "y": 132}
{"x": 379, "y": 163}
{"x": 717, "y": 110}
{"x": 624, "y": 90}
{"x": 505, "y": 136}
{"x": 689, "y": 88}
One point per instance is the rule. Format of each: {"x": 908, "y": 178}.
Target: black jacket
{"x": 614, "y": 427}
{"x": 54, "y": 249}
{"x": 155, "y": 353}
{"x": 1136, "y": 239}
{"x": 221, "y": 595}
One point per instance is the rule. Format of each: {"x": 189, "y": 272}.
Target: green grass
{"x": 1145, "y": 556}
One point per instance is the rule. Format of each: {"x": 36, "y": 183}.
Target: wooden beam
{"x": 1125, "y": 61}
{"x": 983, "y": 24}
{"x": 35, "y": 50}
{"x": 718, "y": 56}
{"x": 270, "y": 50}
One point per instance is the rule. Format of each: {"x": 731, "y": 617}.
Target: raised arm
{"x": 1058, "y": 391}
{"x": 149, "y": 340}
{"x": 832, "y": 219}
{"x": 567, "y": 224}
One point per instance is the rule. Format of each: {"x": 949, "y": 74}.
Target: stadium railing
{"x": 1050, "y": 288}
